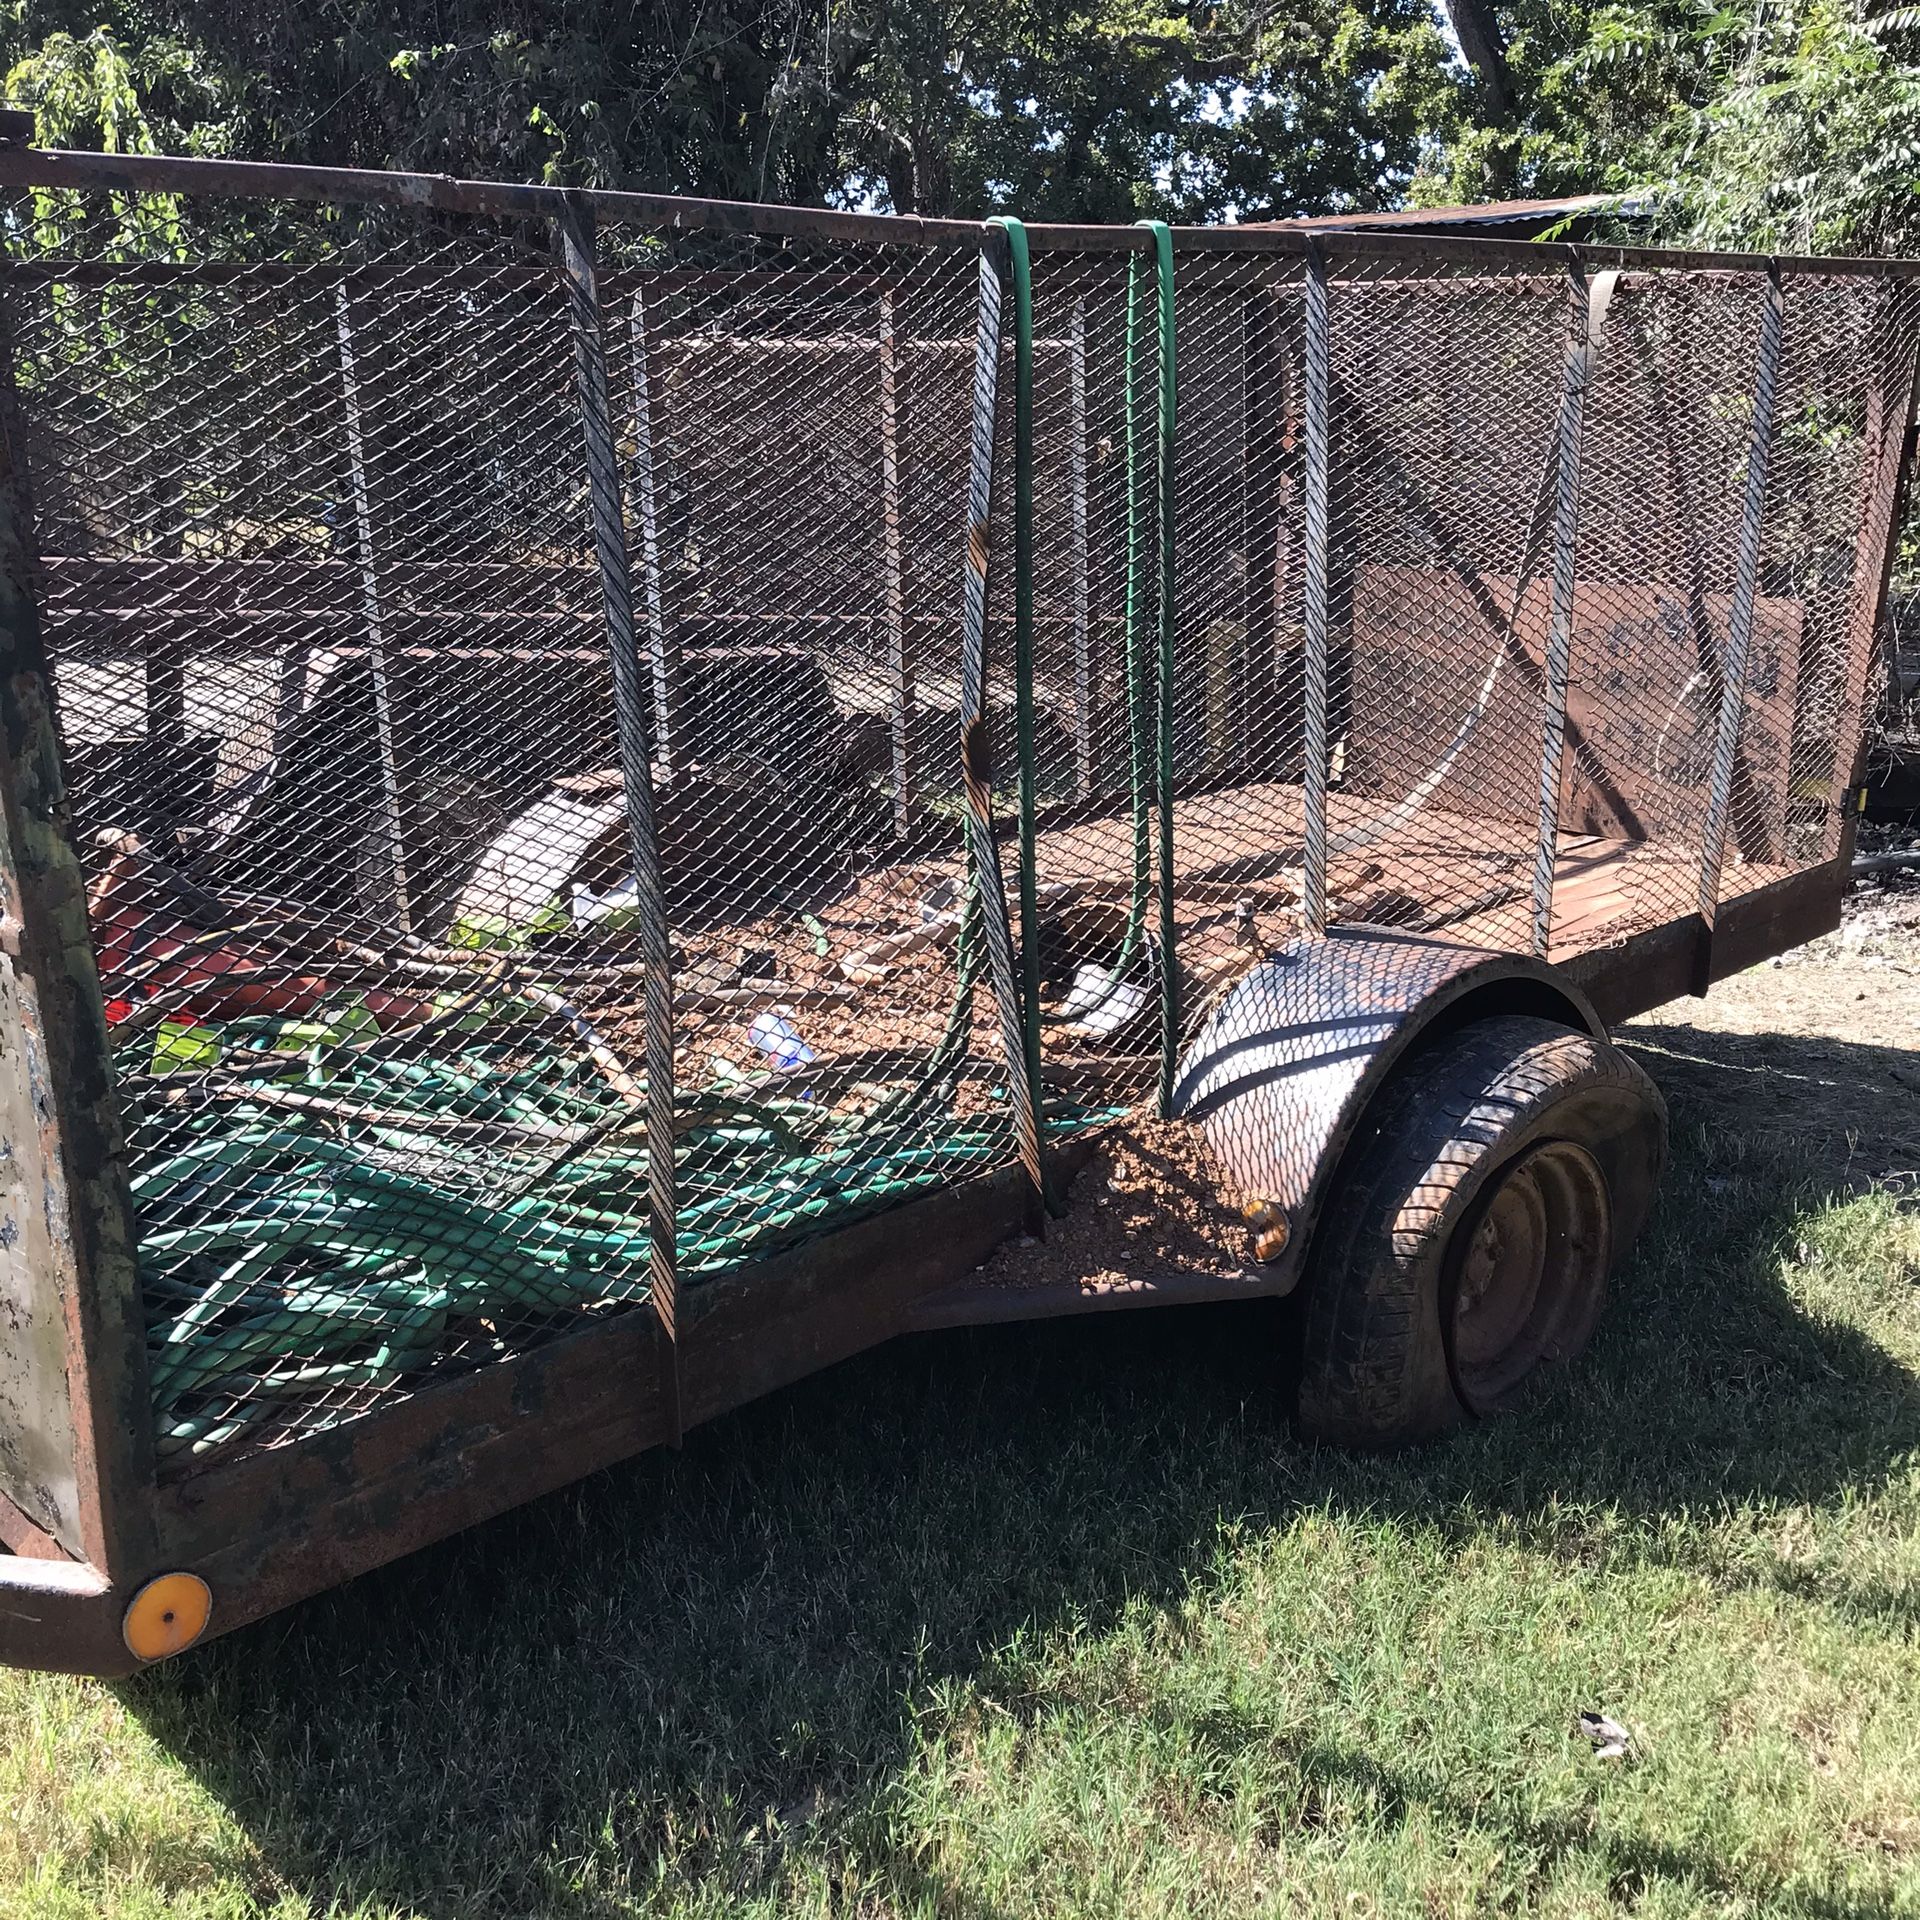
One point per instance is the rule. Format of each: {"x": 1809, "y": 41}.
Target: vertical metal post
{"x": 1020, "y": 277}
{"x": 643, "y": 487}
{"x": 976, "y": 749}
{"x": 1314, "y": 876}
{"x": 1020, "y": 267}
{"x": 1082, "y": 622}
{"x": 1167, "y": 472}
{"x": 370, "y": 610}
{"x": 900, "y": 693}
{"x": 576, "y": 236}
{"x": 1746, "y": 578}
{"x": 1886, "y": 453}
{"x": 1566, "y": 529}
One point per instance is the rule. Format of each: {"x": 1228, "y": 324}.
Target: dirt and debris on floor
{"x": 1151, "y": 1202}
{"x": 1824, "y": 1041}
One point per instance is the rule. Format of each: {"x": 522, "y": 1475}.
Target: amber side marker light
{"x": 1269, "y": 1226}
{"x": 167, "y": 1615}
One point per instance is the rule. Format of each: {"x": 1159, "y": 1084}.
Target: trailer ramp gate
{"x": 562, "y": 745}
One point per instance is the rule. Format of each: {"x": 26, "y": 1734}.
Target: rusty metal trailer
{"x": 603, "y": 794}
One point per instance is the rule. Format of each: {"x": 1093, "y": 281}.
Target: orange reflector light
{"x": 168, "y": 1614}
{"x": 1270, "y": 1227}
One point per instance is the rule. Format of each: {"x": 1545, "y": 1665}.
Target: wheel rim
{"x": 1529, "y": 1263}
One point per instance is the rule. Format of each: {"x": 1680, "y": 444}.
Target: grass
{"x": 1064, "y": 1621}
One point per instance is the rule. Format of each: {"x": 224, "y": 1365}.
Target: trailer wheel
{"x": 1467, "y": 1243}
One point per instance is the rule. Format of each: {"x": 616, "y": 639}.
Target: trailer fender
{"x": 1280, "y": 1077}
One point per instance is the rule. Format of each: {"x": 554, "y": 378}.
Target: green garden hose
{"x": 1142, "y": 783}
{"x": 278, "y": 1261}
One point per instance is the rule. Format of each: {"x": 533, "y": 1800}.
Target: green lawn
{"x": 1064, "y": 1621}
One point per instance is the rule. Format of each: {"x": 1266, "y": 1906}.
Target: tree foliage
{"x": 1787, "y": 125}
{"x": 1783, "y": 124}
{"x": 1807, "y": 140}
{"x": 1065, "y": 108}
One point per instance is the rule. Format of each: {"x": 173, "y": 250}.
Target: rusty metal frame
{"x": 271, "y": 1528}
{"x": 432, "y": 192}
{"x": 75, "y": 1367}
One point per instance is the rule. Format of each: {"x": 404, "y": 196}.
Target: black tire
{"x": 1513, "y": 1148}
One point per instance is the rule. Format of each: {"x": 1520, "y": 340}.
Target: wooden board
{"x": 1641, "y": 710}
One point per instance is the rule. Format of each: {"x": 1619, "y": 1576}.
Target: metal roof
{"x": 1535, "y": 216}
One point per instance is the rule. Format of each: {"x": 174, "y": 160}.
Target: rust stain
{"x": 979, "y": 545}
{"x": 976, "y": 755}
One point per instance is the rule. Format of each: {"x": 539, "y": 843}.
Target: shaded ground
{"x": 1063, "y": 1620}
{"x": 1847, "y": 1089}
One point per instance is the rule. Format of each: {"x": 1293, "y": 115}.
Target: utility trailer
{"x": 603, "y": 794}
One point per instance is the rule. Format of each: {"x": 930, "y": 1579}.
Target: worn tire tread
{"x": 1374, "y": 1364}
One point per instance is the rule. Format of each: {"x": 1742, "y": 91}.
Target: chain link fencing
{"x": 606, "y": 742}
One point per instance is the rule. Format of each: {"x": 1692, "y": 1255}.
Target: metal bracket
{"x": 1019, "y": 1036}
{"x": 576, "y": 236}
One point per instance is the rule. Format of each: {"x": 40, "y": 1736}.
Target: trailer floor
{"x": 1444, "y": 871}
{"x": 864, "y": 1044}
{"x": 1442, "y": 868}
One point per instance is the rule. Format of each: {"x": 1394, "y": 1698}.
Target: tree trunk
{"x": 1478, "y": 31}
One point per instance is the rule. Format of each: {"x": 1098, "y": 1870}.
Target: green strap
{"x": 1169, "y": 964}
{"x": 1138, "y": 778}
{"x": 1021, "y": 264}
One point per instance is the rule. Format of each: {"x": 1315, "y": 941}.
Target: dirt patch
{"x": 1151, "y": 1201}
{"x": 1824, "y": 1040}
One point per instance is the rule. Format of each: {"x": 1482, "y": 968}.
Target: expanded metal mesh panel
{"x": 324, "y": 626}
{"x": 1223, "y": 317}
{"x": 331, "y": 514}
{"x": 1667, "y": 432}
{"x": 1443, "y": 393}
{"x": 334, "y": 680}
{"x": 1238, "y": 739}
{"x": 799, "y": 544}
{"x": 1096, "y": 377}
{"x": 1845, "y": 370}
